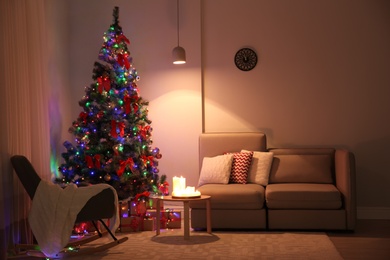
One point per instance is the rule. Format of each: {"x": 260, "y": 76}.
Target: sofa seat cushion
{"x": 302, "y": 196}
{"x": 232, "y": 196}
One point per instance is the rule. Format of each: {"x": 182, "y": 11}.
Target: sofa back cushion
{"x": 213, "y": 144}
{"x": 302, "y": 166}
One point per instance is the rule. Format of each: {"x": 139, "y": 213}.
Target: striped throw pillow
{"x": 240, "y": 167}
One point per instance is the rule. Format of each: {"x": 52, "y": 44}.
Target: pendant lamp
{"x": 178, "y": 53}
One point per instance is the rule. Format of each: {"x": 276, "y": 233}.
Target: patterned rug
{"x": 170, "y": 244}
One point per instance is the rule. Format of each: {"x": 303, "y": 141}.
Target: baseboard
{"x": 373, "y": 213}
{"x": 362, "y": 212}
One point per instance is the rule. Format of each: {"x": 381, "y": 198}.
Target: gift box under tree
{"x": 169, "y": 218}
{"x": 132, "y": 213}
{"x": 149, "y": 224}
{"x": 132, "y": 224}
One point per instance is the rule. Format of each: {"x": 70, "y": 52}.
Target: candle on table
{"x": 190, "y": 189}
{"x": 180, "y": 189}
{"x": 179, "y": 184}
{"x": 190, "y": 192}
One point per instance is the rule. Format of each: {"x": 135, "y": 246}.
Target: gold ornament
{"x": 107, "y": 177}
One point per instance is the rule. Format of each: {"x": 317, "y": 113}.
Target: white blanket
{"x": 54, "y": 211}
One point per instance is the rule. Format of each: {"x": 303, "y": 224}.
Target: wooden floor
{"x": 371, "y": 240}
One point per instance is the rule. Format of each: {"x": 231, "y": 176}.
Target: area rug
{"x": 170, "y": 244}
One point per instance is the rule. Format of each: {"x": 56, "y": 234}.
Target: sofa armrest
{"x": 345, "y": 177}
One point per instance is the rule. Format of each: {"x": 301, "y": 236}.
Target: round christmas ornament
{"x": 107, "y": 177}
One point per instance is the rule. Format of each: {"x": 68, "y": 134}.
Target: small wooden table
{"x": 186, "y": 202}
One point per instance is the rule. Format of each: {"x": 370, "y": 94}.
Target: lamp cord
{"x": 177, "y": 22}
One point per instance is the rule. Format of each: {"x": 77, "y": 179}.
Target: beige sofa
{"x": 307, "y": 189}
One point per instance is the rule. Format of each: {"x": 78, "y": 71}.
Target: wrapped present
{"x": 149, "y": 224}
{"x": 169, "y": 218}
{"x": 138, "y": 208}
{"x": 84, "y": 228}
{"x": 138, "y": 204}
{"x": 131, "y": 224}
{"x": 124, "y": 209}
{"x": 124, "y": 213}
{"x": 172, "y": 218}
{"x": 151, "y": 213}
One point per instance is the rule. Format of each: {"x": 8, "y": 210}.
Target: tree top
{"x": 116, "y": 15}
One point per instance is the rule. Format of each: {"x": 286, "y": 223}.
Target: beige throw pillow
{"x": 260, "y": 168}
{"x": 216, "y": 169}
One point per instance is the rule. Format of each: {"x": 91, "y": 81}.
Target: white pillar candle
{"x": 176, "y": 183}
{"x": 182, "y": 183}
{"x": 179, "y": 184}
{"x": 190, "y": 189}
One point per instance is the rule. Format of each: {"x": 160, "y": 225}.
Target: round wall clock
{"x": 245, "y": 59}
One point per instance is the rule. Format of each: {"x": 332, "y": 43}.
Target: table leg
{"x": 186, "y": 220}
{"x": 208, "y": 215}
{"x": 158, "y": 201}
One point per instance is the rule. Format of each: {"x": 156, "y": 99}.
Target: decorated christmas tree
{"x": 113, "y": 133}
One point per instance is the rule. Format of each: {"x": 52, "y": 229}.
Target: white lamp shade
{"x": 179, "y": 55}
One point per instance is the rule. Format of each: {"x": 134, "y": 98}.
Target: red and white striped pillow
{"x": 240, "y": 167}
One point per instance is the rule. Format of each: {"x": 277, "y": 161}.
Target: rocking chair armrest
{"x": 26, "y": 174}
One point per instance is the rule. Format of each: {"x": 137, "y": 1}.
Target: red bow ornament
{"x": 147, "y": 159}
{"x": 120, "y": 126}
{"x": 83, "y": 116}
{"x": 126, "y": 100}
{"x": 90, "y": 161}
{"x": 144, "y": 131}
{"x": 121, "y": 38}
{"x": 123, "y": 164}
{"x": 163, "y": 188}
{"x": 123, "y": 60}
{"x": 104, "y": 83}
{"x": 145, "y": 194}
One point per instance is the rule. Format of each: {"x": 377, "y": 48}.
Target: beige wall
{"x": 322, "y": 77}
{"x": 57, "y": 12}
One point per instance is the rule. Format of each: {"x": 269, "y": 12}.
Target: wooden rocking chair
{"x": 97, "y": 208}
